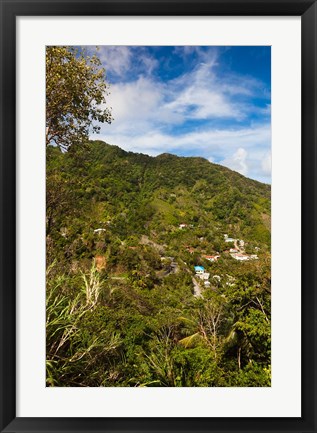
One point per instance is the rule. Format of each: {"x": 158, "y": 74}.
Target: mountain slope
{"x": 139, "y": 193}
{"x": 143, "y": 285}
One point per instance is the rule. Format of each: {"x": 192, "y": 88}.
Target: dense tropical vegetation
{"x": 124, "y": 232}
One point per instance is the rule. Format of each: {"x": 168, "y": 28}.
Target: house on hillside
{"x": 229, "y": 240}
{"x": 240, "y": 256}
{"x": 244, "y": 257}
{"x": 211, "y": 258}
{"x": 99, "y": 230}
{"x": 199, "y": 269}
{"x": 182, "y": 226}
{"x": 200, "y": 273}
{"x": 204, "y": 276}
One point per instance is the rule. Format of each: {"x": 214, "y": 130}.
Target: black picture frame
{"x": 10, "y": 9}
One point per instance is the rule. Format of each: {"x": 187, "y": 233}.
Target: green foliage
{"x": 75, "y": 342}
{"x": 121, "y": 309}
{"x": 75, "y": 91}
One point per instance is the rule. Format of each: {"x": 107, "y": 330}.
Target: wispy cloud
{"x": 198, "y": 95}
{"x": 123, "y": 61}
{"x": 116, "y": 59}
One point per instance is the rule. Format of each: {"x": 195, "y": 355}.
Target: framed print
{"x": 158, "y": 252}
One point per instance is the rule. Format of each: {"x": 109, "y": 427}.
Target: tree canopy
{"x": 76, "y": 91}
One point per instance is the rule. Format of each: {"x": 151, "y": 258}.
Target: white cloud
{"x": 134, "y": 102}
{"x": 149, "y": 63}
{"x": 237, "y": 161}
{"x": 199, "y": 95}
{"x": 220, "y": 143}
{"x": 116, "y": 59}
{"x": 209, "y": 55}
{"x": 193, "y": 96}
{"x": 121, "y": 60}
{"x": 198, "y": 102}
{"x": 267, "y": 164}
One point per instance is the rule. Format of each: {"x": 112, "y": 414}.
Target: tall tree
{"x": 76, "y": 91}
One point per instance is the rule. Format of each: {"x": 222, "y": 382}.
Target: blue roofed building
{"x": 199, "y": 269}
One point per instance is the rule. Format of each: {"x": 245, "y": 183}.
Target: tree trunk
{"x": 239, "y": 358}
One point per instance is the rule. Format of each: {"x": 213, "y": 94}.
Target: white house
{"x": 204, "y": 276}
{"x": 239, "y": 256}
{"x": 182, "y": 226}
{"x": 211, "y": 258}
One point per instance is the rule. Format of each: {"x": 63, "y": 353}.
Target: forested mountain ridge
{"x": 124, "y": 233}
{"x": 173, "y": 189}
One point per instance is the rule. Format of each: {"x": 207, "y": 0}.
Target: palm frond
{"x": 191, "y": 341}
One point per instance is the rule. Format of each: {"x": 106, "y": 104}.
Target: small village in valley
{"x": 201, "y": 267}
{"x": 237, "y": 253}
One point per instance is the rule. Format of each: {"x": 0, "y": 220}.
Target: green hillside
{"x": 125, "y": 306}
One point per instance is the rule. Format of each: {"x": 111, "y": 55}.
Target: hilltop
{"x": 139, "y": 194}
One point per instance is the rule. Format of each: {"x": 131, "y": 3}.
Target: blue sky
{"x": 212, "y": 102}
